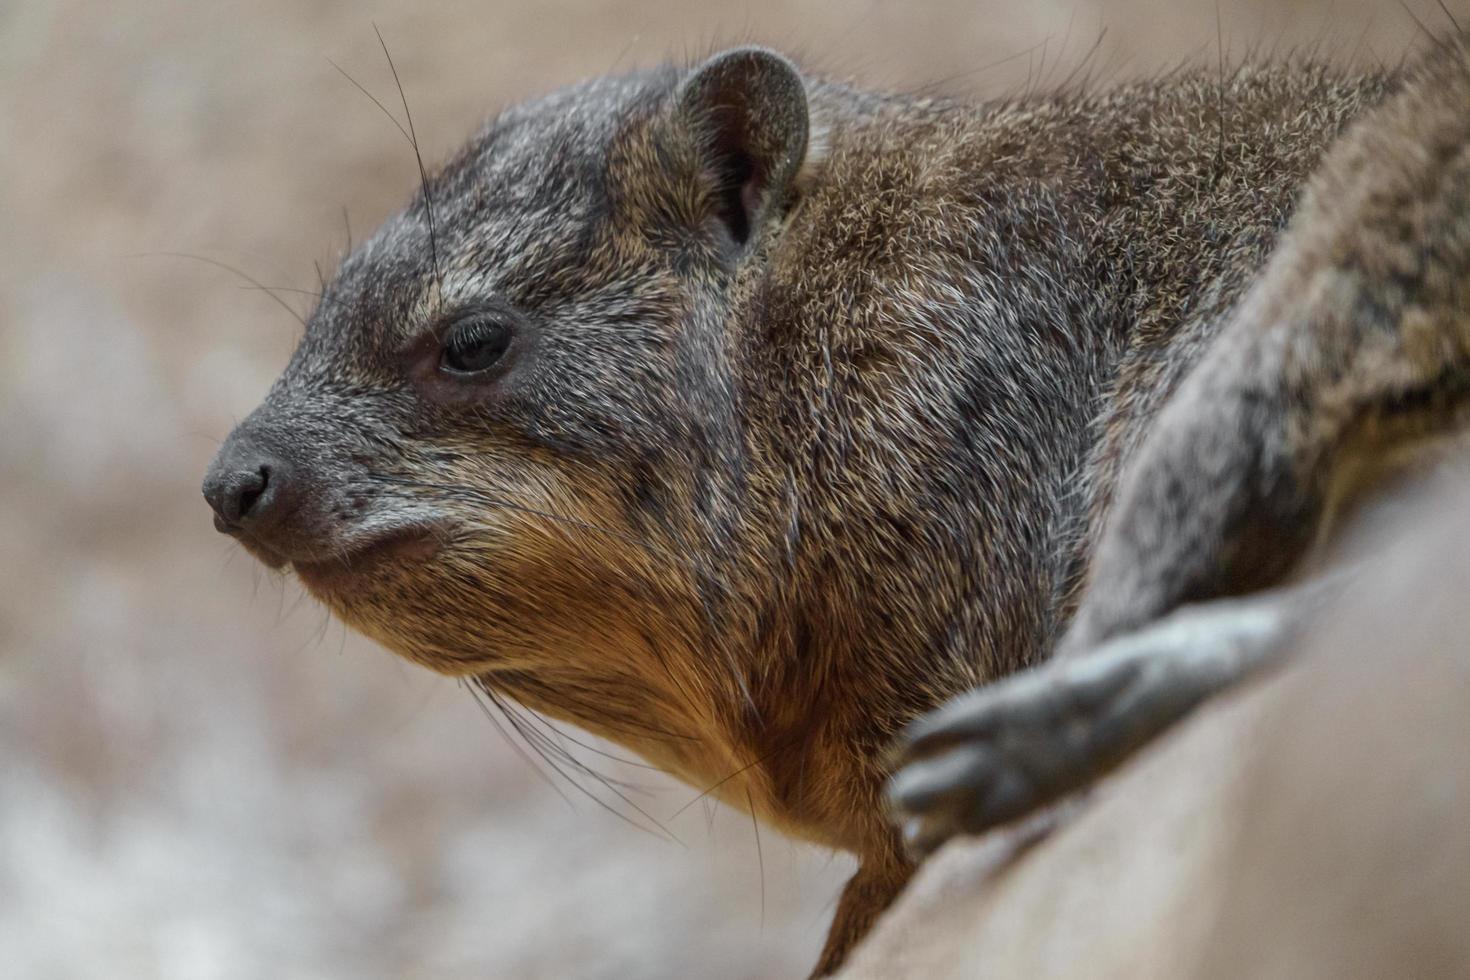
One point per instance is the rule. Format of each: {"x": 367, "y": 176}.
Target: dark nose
{"x": 245, "y": 485}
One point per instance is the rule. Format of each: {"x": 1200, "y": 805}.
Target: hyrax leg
{"x": 1001, "y": 751}
{"x": 1004, "y": 750}
{"x": 868, "y": 893}
{"x": 1348, "y": 360}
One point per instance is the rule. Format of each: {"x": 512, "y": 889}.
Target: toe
{"x": 967, "y": 718}
{"x": 922, "y": 836}
{"x": 1009, "y": 796}
{"x": 1024, "y": 700}
{"x": 943, "y": 783}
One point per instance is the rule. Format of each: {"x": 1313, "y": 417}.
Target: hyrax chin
{"x": 742, "y": 417}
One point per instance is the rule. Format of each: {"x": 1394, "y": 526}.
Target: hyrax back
{"x": 1346, "y": 366}
{"x": 740, "y": 417}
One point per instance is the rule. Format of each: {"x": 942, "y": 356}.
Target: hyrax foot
{"x": 1001, "y": 751}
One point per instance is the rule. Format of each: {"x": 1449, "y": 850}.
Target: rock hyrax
{"x": 743, "y": 417}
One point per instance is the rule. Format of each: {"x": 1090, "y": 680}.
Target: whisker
{"x": 561, "y": 732}
{"x": 239, "y": 272}
{"x": 1220, "y": 89}
{"x": 519, "y": 725}
{"x": 760, "y": 857}
{"x": 320, "y": 635}
{"x": 537, "y": 726}
{"x": 940, "y": 83}
{"x": 1083, "y": 67}
{"x": 319, "y": 297}
{"x": 738, "y": 772}
{"x": 423, "y": 174}
{"x": 1454, "y": 21}
{"x": 391, "y": 118}
{"x": 1434, "y": 38}
{"x": 485, "y": 709}
{"x": 301, "y": 596}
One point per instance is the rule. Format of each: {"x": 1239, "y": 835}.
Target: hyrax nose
{"x": 245, "y": 485}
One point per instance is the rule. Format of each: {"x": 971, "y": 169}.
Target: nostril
{"x": 245, "y": 487}
{"x": 251, "y": 488}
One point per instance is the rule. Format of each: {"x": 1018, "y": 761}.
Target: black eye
{"x": 475, "y": 345}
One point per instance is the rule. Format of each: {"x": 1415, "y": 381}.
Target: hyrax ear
{"x": 747, "y": 108}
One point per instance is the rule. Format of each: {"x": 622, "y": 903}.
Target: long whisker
{"x": 549, "y": 737}
{"x": 968, "y": 73}
{"x": 1081, "y": 69}
{"x": 319, "y": 297}
{"x": 520, "y": 726}
{"x": 418, "y": 156}
{"x": 760, "y": 856}
{"x": 485, "y": 709}
{"x": 391, "y": 118}
{"x": 239, "y": 272}
{"x": 1454, "y": 21}
{"x": 562, "y": 733}
{"x": 738, "y": 772}
{"x": 1434, "y": 38}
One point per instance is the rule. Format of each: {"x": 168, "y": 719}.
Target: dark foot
{"x": 1004, "y": 750}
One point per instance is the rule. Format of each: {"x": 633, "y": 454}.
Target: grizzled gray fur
{"x": 744, "y": 418}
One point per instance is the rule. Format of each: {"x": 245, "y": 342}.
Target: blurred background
{"x": 203, "y": 777}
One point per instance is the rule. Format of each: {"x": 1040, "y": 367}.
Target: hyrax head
{"x": 512, "y": 437}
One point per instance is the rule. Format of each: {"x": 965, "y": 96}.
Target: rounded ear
{"x": 747, "y": 108}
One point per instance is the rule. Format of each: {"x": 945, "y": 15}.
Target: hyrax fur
{"x": 743, "y": 417}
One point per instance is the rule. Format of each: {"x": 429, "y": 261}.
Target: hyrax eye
{"x": 474, "y": 345}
